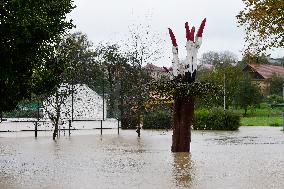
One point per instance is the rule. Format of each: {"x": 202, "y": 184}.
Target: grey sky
{"x": 109, "y": 21}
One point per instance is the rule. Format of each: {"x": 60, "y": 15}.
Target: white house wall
{"x": 87, "y": 105}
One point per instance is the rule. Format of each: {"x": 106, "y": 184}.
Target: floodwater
{"x": 252, "y": 157}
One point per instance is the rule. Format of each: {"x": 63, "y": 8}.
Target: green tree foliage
{"x": 164, "y": 92}
{"x": 250, "y": 58}
{"x": 233, "y": 75}
{"x": 77, "y": 51}
{"x": 216, "y": 119}
{"x": 248, "y": 94}
{"x": 263, "y": 21}
{"x": 276, "y": 85}
{"x": 125, "y": 84}
{"x": 112, "y": 63}
{"x": 135, "y": 92}
{"x": 30, "y": 32}
{"x": 274, "y": 99}
{"x": 158, "y": 118}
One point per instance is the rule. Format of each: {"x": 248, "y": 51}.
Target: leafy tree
{"x": 135, "y": 93}
{"x": 77, "y": 51}
{"x": 263, "y": 21}
{"x": 276, "y": 85}
{"x": 248, "y": 94}
{"x": 30, "y": 32}
{"x": 233, "y": 76}
{"x": 112, "y": 61}
{"x": 250, "y": 58}
{"x": 125, "y": 84}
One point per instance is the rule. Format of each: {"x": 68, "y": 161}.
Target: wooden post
{"x": 283, "y": 120}
{"x": 72, "y": 102}
{"x": 118, "y": 126}
{"x": 36, "y": 129}
{"x": 101, "y": 127}
{"x": 37, "y": 111}
{"x": 69, "y": 127}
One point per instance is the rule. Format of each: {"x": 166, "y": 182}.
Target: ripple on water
{"x": 248, "y": 158}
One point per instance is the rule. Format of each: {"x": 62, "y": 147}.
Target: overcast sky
{"x": 109, "y": 21}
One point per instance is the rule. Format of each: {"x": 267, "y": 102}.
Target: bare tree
{"x": 53, "y": 106}
{"x": 219, "y": 59}
{"x": 144, "y": 45}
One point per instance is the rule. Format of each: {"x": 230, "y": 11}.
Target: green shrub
{"x": 21, "y": 114}
{"x": 216, "y": 119}
{"x": 129, "y": 122}
{"x": 159, "y": 119}
{"x": 274, "y": 99}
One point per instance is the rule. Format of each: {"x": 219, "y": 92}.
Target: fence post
{"x": 69, "y": 127}
{"x": 118, "y": 126}
{"x": 101, "y": 127}
{"x": 283, "y": 120}
{"x": 36, "y": 129}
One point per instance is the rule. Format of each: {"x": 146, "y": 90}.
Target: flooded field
{"x": 252, "y": 157}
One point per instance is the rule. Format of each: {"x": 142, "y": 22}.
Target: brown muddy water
{"x": 252, "y": 157}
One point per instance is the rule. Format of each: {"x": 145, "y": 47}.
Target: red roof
{"x": 267, "y": 70}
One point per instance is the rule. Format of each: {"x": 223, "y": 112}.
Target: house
{"x": 87, "y": 104}
{"x": 157, "y": 72}
{"x": 261, "y": 73}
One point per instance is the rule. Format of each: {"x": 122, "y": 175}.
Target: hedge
{"x": 159, "y": 119}
{"x": 216, "y": 119}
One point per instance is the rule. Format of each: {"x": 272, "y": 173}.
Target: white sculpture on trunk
{"x": 187, "y": 69}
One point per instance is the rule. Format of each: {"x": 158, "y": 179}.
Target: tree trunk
{"x": 55, "y": 132}
{"x": 57, "y": 117}
{"x": 182, "y": 121}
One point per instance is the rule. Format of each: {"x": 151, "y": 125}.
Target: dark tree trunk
{"x": 56, "y": 119}
{"x": 55, "y": 132}
{"x": 182, "y": 120}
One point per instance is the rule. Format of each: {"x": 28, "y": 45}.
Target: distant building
{"x": 87, "y": 104}
{"x": 205, "y": 67}
{"x": 262, "y": 73}
{"x": 158, "y": 72}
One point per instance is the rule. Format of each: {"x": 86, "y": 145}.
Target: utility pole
{"x": 72, "y": 101}
{"x": 224, "y": 92}
{"x": 103, "y": 94}
{"x": 283, "y": 91}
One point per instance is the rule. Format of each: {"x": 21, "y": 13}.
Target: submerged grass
{"x": 262, "y": 116}
{"x": 262, "y": 121}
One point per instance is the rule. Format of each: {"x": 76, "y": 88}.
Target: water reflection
{"x": 182, "y": 169}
